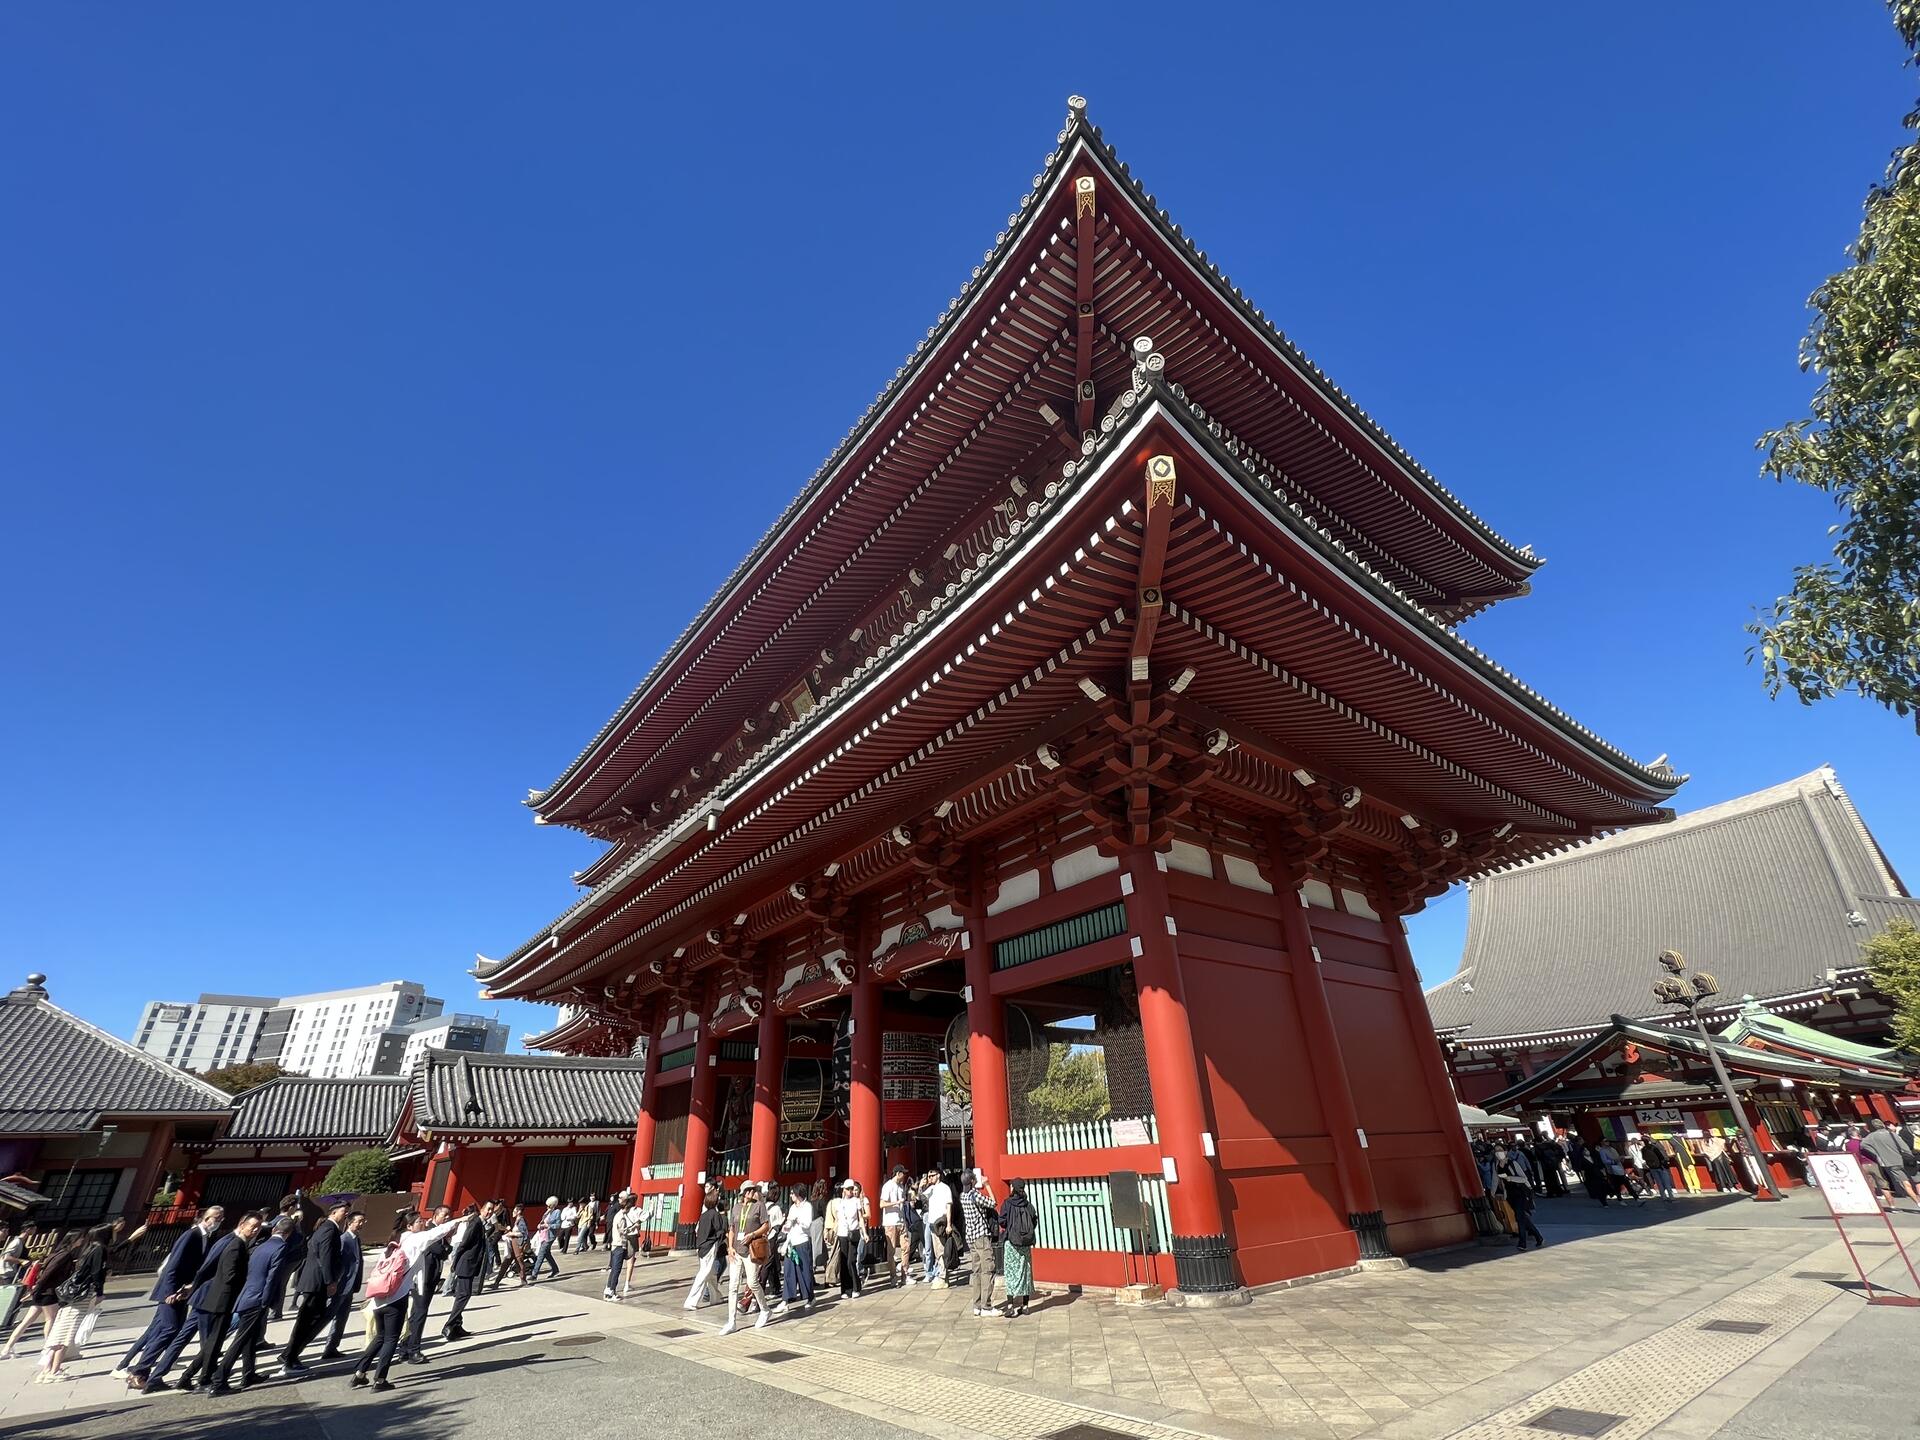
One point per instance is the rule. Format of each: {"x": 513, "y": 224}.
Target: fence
{"x": 1076, "y": 1135}
{"x": 1074, "y": 1214}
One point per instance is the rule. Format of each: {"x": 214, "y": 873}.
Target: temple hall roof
{"x": 60, "y": 1075}
{"x": 303, "y": 1108}
{"x": 459, "y": 1092}
{"x": 1773, "y": 893}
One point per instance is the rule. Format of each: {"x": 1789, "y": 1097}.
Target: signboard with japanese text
{"x": 1843, "y": 1185}
{"x": 1659, "y": 1115}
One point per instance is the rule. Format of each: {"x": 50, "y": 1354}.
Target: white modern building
{"x": 401, "y": 1047}
{"x": 337, "y": 1032}
{"x": 210, "y": 1032}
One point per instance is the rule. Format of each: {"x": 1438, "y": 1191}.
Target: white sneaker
{"x": 727, "y": 1329}
{"x": 606, "y": 1294}
{"x": 761, "y": 1323}
{"x": 119, "y": 1372}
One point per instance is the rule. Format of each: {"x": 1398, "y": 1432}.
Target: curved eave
{"x": 1079, "y": 139}
{"x": 817, "y": 732}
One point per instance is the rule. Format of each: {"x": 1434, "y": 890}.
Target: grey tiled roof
{"x": 1768, "y": 892}
{"x": 462, "y": 1092}
{"x": 299, "y": 1107}
{"x": 60, "y": 1074}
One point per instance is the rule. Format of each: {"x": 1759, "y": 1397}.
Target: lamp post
{"x": 1688, "y": 996}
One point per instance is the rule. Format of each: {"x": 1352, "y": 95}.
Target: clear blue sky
{"x": 381, "y": 390}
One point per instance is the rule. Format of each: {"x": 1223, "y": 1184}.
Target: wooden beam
{"x": 1084, "y": 246}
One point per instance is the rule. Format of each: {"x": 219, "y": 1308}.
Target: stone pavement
{"x": 1473, "y": 1343}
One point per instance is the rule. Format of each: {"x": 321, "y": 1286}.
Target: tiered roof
{"x": 303, "y": 1108}
{"x": 462, "y": 1093}
{"x": 969, "y": 553}
{"x": 1772, "y": 892}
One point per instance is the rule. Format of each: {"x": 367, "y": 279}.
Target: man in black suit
{"x": 314, "y": 1289}
{"x": 471, "y": 1243}
{"x": 296, "y": 1253}
{"x": 169, "y": 1314}
{"x": 215, "y": 1290}
{"x": 432, "y": 1264}
{"x": 352, "y": 1268}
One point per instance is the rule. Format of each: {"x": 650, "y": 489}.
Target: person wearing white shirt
{"x": 390, "y": 1310}
{"x": 938, "y": 1196}
{"x": 894, "y": 1198}
{"x": 796, "y": 1280}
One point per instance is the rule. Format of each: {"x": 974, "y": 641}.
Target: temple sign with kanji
{"x": 1071, "y": 748}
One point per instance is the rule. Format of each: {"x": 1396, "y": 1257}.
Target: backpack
{"x": 1021, "y": 1230}
{"x": 389, "y": 1275}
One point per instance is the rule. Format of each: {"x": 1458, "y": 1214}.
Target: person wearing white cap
{"x": 847, "y": 1227}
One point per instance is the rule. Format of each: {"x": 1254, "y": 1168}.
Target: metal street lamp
{"x": 1687, "y": 996}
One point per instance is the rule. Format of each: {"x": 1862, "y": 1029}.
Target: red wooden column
{"x": 1426, "y": 1045}
{"x": 769, "y": 1067}
{"x": 146, "y": 1178}
{"x": 1330, "y": 1070}
{"x": 863, "y": 1100}
{"x": 644, "y": 1124}
{"x": 1202, "y": 1257}
{"x": 986, "y": 1053}
{"x": 699, "y": 1119}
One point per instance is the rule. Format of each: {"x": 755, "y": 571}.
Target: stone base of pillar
{"x": 1370, "y": 1229}
{"x": 1203, "y": 1265}
{"x": 1210, "y": 1299}
{"x": 683, "y": 1236}
{"x": 1481, "y": 1213}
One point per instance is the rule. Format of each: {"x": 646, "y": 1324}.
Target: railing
{"x": 1077, "y": 1135}
{"x": 1075, "y": 1214}
{"x": 729, "y": 1165}
{"x": 665, "y": 1170}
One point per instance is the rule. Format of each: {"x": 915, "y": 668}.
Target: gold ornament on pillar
{"x": 1083, "y": 196}
{"x": 1160, "y": 478}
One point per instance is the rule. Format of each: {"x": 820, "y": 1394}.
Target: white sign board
{"x": 1130, "y": 1132}
{"x": 1659, "y": 1115}
{"x": 1840, "y": 1180}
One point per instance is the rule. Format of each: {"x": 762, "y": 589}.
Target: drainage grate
{"x": 777, "y": 1357}
{"x": 1086, "y": 1432}
{"x": 1562, "y": 1421}
{"x": 1820, "y": 1275}
{"x": 1739, "y": 1327}
{"x": 579, "y": 1339}
{"x": 679, "y": 1332}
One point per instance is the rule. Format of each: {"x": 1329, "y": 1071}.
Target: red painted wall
{"x": 1380, "y": 1025}
{"x": 1279, "y": 1189}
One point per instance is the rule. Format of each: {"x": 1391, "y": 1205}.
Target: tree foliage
{"x": 1853, "y": 623}
{"x": 1893, "y": 959}
{"x": 235, "y": 1078}
{"x": 1074, "y": 1088}
{"x": 360, "y": 1172}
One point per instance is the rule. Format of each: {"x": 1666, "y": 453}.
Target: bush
{"x": 360, "y": 1172}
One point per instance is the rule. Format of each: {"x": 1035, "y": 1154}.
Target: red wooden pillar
{"x": 1426, "y": 1045}
{"x": 1883, "y": 1107}
{"x": 863, "y": 1100}
{"x": 645, "y": 1123}
{"x": 1330, "y": 1072}
{"x": 1202, "y": 1257}
{"x": 986, "y": 1054}
{"x": 699, "y": 1121}
{"x": 146, "y": 1176}
{"x": 769, "y": 1066}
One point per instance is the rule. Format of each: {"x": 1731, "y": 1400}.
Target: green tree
{"x": 1853, "y": 623}
{"x": 235, "y": 1078}
{"x": 360, "y": 1172}
{"x": 1893, "y": 959}
{"x": 1075, "y": 1087}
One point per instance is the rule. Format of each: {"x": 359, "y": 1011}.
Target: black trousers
{"x": 416, "y": 1322}
{"x": 388, "y": 1321}
{"x": 340, "y": 1311}
{"x": 307, "y": 1321}
{"x": 247, "y": 1327}
{"x": 213, "y": 1330}
{"x": 463, "y": 1288}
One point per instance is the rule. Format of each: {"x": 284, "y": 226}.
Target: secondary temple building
{"x": 1081, "y": 732}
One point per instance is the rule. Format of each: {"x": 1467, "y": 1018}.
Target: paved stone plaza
{"x": 1474, "y": 1343}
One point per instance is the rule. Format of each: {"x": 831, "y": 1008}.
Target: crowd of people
{"x": 774, "y": 1249}
{"x": 220, "y": 1285}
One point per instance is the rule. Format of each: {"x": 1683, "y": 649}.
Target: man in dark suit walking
{"x": 471, "y": 1243}
{"x": 314, "y": 1290}
{"x": 265, "y": 1264}
{"x": 170, "y": 1313}
{"x": 215, "y": 1290}
{"x": 352, "y": 1267}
